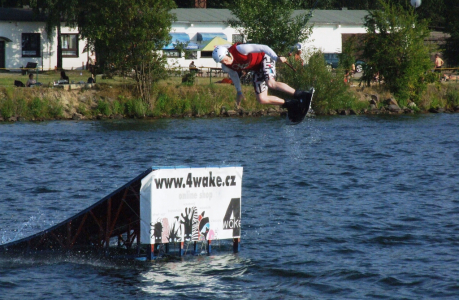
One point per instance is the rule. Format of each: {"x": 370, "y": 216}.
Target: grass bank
{"x": 117, "y": 98}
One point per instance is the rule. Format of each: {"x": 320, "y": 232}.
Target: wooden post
{"x": 236, "y": 245}
{"x": 181, "y": 250}
{"x": 209, "y": 248}
{"x": 151, "y": 252}
{"x": 195, "y": 248}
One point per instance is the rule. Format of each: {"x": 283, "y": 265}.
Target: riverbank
{"x": 172, "y": 99}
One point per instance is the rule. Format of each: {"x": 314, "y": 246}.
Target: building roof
{"x": 202, "y": 15}
{"x": 211, "y": 15}
{"x": 214, "y": 15}
{"x": 349, "y": 17}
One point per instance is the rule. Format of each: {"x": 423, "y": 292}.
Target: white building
{"x": 198, "y": 26}
{"x": 23, "y": 39}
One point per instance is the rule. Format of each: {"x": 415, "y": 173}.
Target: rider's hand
{"x": 239, "y": 98}
{"x": 282, "y": 59}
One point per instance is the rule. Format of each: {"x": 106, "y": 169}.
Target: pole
{"x": 291, "y": 67}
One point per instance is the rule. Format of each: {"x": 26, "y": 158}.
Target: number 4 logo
{"x": 232, "y": 219}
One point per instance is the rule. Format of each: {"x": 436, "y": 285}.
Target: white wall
{"x": 324, "y": 37}
{"x": 13, "y": 31}
{"x": 48, "y": 60}
{"x": 69, "y": 63}
{"x": 328, "y": 38}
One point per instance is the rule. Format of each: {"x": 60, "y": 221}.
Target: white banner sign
{"x": 190, "y": 204}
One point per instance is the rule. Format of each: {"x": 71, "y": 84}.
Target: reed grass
{"x": 117, "y": 96}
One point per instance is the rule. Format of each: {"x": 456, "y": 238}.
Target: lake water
{"x": 356, "y": 207}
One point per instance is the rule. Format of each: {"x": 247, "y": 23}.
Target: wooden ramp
{"x": 112, "y": 221}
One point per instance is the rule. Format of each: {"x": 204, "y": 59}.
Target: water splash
{"x": 36, "y": 223}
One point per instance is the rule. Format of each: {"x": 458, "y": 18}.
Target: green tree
{"x": 270, "y": 22}
{"x": 128, "y": 35}
{"x": 394, "y": 47}
{"x": 347, "y": 56}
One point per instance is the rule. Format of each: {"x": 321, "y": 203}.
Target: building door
{"x": 2, "y": 55}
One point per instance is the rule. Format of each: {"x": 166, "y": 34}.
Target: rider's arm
{"x": 234, "y": 77}
{"x": 255, "y": 48}
{"x": 237, "y": 83}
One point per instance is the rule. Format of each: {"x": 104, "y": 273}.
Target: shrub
{"x": 38, "y": 108}
{"x": 435, "y": 102}
{"x": 452, "y": 97}
{"x": 140, "y": 108}
{"x": 21, "y": 107}
{"x": 136, "y": 108}
{"x": 55, "y": 110}
{"x": 198, "y": 105}
{"x": 431, "y": 77}
{"x": 117, "y": 107}
{"x": 161, "y": 105}
{"x": 331, "y": 92}
{"x": 7, "y": 108}
{"x": 104, "y": 108}
{"x": 177, "y": 107}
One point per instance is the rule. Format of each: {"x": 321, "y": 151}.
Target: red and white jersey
{"x": 249, "y": 56}
{"x": 246, "y": 57}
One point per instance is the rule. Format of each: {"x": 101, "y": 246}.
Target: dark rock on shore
{"x": 394, "y": 108}
{"x": 437, "y": 110}
{"x": 77, "y": 116}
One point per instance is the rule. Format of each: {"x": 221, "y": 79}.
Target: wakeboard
{"x": 296, "y": 115}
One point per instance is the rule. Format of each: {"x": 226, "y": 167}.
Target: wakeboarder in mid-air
{"x": 261, "y": 60}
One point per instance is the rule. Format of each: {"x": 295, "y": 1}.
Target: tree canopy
{"x": 270, "y": 23}
{"x": 394, "y": 47}
{"x": 127, "y": 35}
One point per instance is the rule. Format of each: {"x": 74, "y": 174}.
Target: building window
{"x": 172, "y": 53}
{"x": 238, "y": 38}
{"x": 30, "y": 45}
{"x": 205, "y": 54}
{"x": 69, "y": 45}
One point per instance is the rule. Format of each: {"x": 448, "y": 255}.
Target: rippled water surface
{"x": 334, "y": 208}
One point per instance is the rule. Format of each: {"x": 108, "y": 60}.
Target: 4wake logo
{"x": 232, "y": 218}
{"x": 197, "y": 182}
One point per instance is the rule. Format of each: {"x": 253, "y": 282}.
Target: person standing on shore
{"x": 438, "y": 64}
{"x": 298, "y": 57}
{"x": 261, "y": 59}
